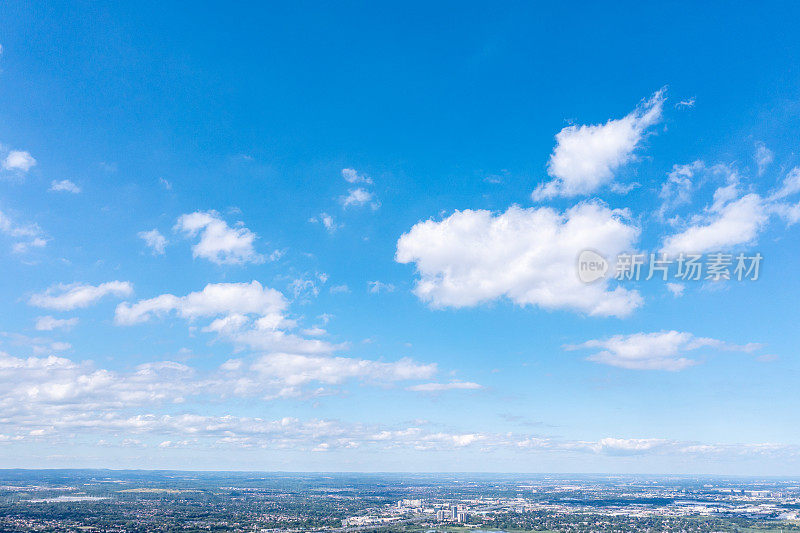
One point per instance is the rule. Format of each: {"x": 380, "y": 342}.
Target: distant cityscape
{"x": 140, "y": 501}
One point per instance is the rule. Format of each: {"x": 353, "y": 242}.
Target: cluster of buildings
{"x": 408, "y": 511}
{"x": 444, "y": 512}
{"x": 457, "y": 513}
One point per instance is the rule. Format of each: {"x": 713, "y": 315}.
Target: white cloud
{"x": 64, "y": 186}
{"x": 526, "y": 255}
{"x": 376, "y": 287}
{"x": 788, "y": 212}
{"x": 253, "y": 316}
{"x": 63, "y": 297}
{"x": 314, "y": 331}
{"x": 663, "y": 350}
{"x": 22, "y": 247}
{"x": 37, "y": 345}
{"x": 55, "y": 384}
{"x": 219, "y": 243}
{"x": 358, "y": 197}
{"x": 214, "y": 300}
{"x": 763, "y": 157}
{"x": 48, "y": 323}
{"x": 154, "y": 240}
{"x": 55, "y": 398}
{"x": 615, "y": 446}
{"x": 246, "y": 314}
{"x": 327, "y": 221}
{"x": 267, "y": 333}
{"x": 726, "y": 223}
{"x": 293, "y": 370}
{"x": 586, "y": 157}
{"x": 441, "y": 387}
{"x": 677, "y": 289}
{"x": 790, "y": 185}
{"x": 308, "y": 287}
{"x": 11, "y": 229}
{"x": 18, "y": 160}
{"x": 680, "y": 184}
{"x": 732, "y": 218}
{"x": 352, "y": 176}
{"x": 30, "y": 234}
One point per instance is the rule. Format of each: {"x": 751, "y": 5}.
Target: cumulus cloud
{"x": 48, "y": 323}
{"x": 615, "y": 446}
{"x": 64, "y": 186}
{"x": 285, "y": 374}
{"x": 267, "y": 333}
{"x": 246, "y": 314}
{"x": 359, "y": 197}
{"x": 57, "y": 397}
{"x": 586, "y": 157}
{"x": 253, "y": 316}
{"x": 63, "y": 297}
{"x": 663, "y": 350}
{"x": 725, "y": 224}
{"x": 58, "y": 384}
{"x": 293, "y": 370}
{"x": 219, "y": 243}
{"x": 734, "y": 217}
{"x": 526, "y": 255}
{"x": 154, "y": 240}
{"x": 215, "y": 299}
{"x": 350, "y": 175}
{"x": 18, "y": 160}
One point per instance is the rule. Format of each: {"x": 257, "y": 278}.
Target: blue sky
{"x": 303, "y": 237}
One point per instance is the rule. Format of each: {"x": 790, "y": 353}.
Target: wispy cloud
{"x": 64, "y": 186}
{"x": 65, "y": 297}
